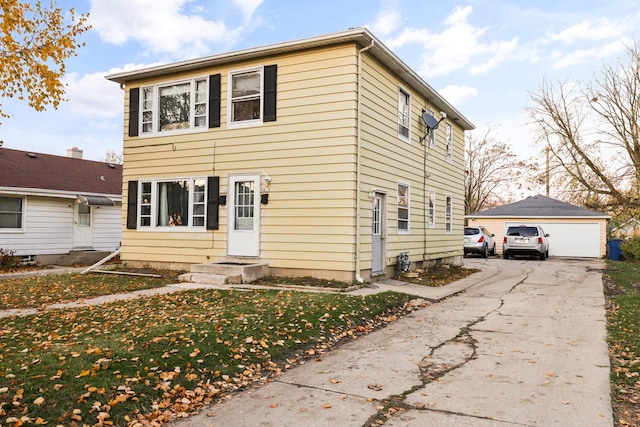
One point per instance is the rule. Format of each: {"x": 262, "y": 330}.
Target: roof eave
{"x": 362, "y": 36}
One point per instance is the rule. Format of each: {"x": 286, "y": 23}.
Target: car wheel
{"x": 493, "y": 251}
{"x": 543, "y": 256}
{"x": 485, "y": 251}
{"x": 505, "y": 255}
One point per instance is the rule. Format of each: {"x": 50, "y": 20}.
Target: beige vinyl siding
{"x": 309, "y": 153}
{"x": 388, "y": 159}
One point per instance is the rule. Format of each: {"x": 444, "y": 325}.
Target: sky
{"x": 484, "y": 56}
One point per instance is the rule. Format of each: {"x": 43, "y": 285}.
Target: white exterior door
{"x": 244, "y": 216}
{"x": 82, "y": 227}
{"x": 377, "y": 234}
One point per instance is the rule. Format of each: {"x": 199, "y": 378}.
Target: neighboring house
{"x": 51, "y": 205}
{"x": 629, "y": 228}
{"x": 310, "y": 156}
{"x": 573, "y": 231}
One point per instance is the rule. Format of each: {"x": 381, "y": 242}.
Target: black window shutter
{"x": 134, "y": 111}
{"x": 213, "y": 202}
{"x": 132, "y": 205}
{"x": 270, "y": 85}
{"x": 214, "y": 101}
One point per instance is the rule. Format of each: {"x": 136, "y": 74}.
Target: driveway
{"x": 521, "y": 344}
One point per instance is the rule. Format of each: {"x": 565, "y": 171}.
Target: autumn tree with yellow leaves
{"x": 35, "y": 42}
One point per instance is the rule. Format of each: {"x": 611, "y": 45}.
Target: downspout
{"x": 359, "y": 278}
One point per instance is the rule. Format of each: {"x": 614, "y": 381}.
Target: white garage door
{"x": 573, "y": 240}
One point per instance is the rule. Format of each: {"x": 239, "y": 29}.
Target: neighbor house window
{"x": 11, "y": 210}
{"x": 448, "y": 216}
{"x": 174, "y": 106}
{"x": 246, "y": 96}
{"x": 431, "y": 213}
{"x": 404, "y": 113}
{"x": 403, "y": 208}
{"x": 179, "y": 204}
{"x": 449, "y": 141}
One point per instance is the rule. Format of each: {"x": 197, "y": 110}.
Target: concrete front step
{"x": 209, "y": 279}
{"x": 81, "y": 258}
{"x": 234, "y": 272}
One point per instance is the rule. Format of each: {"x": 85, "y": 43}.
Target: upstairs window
{"x": 174, "y": 106}
{"x": 403, "y": 208}
{"x": 404, "y": 114}
{"x": 432, "y": 134}
{"x": 11, "y": 209}
{"x": 449, "y": 142}
{"x": 246, "y": 96}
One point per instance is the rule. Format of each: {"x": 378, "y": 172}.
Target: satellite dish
{"x": 429, "y": 121}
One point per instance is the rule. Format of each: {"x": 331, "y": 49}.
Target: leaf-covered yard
{"x": 150, "y": 359}
{"x": 622, "y": 287}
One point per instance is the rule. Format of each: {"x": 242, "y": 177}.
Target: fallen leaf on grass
{"x": 327, "y": 406}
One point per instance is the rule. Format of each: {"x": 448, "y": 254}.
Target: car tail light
{"x": 539, "y": 240}
{"x": 481, "y": 239}
{"x": 504, "y": 240}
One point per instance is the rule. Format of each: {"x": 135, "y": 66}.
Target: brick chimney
{"x": 74, "y": 153}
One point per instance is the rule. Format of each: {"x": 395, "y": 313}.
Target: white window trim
{"x": 23, "y": 227}
{"x": 449, "y": 142}
{"x": 244, "y": 123}
{"x": 431, "y": 224}
{"x": 448, "y": 218}
{"x": 156, "y": 102}
{"x": 154, "y": 205}
{"x": 408, "y": 230}
{"x": 401, "y": 136}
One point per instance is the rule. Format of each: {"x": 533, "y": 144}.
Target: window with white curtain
{"x": 172, "y": 204}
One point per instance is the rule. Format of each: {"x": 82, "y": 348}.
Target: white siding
{"x": 48, "y": 228}
{"x": 107, "y": 227}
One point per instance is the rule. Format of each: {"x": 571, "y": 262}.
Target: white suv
{"x": 479, "y": 240}
{"x": 525, "y": 240}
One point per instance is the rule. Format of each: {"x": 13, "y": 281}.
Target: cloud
{"x": 386, "y": 23}
{"x": 457, "y": 46}
{"x": 599, "y": 29}
{"x": 587, "y": 56}
{"x": 248, "y": 7}
{"x": 160, "y": 25}
{"x": 92, "y": 95}
{"x": 456, "y": 95}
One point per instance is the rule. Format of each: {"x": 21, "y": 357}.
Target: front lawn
{"x": 150, "y": 359}
{"x": 622, "y": 287}
{"x": 36, "y": 291}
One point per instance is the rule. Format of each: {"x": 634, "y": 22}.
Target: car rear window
{"x": 522, "y": 231}
{"x": 471, "y": 231}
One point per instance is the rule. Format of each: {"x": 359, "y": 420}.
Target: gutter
{"x": 359, "y": 278}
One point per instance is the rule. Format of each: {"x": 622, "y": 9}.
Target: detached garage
{"x": 573, "y": 231}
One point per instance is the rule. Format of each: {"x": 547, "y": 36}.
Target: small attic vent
{"x": 32, "y": 155}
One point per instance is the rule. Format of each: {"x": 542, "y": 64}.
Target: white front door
{"x": 377, "y": 234}
{"x": 244, "y": 216}
{"x": 82, "y": 227}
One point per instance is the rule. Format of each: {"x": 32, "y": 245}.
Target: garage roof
{"x": 539, "y": 207}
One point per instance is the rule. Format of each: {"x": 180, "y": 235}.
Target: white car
{"x": 479, "y": 240}
{"x": 525, "y": 240}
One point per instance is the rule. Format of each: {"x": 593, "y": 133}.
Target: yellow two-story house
{"x": 326, "y": 156}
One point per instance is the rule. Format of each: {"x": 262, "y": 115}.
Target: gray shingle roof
{"x": 539, "y": 206}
